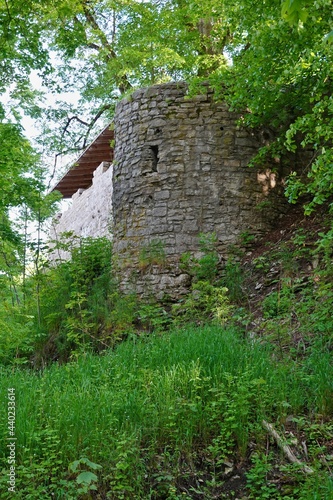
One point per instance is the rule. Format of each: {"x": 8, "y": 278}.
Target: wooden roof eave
{"x": 80, "y": 175}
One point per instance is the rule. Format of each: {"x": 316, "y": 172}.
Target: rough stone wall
{"x": 180, "y": 169}
{"x": 91, "y": 211}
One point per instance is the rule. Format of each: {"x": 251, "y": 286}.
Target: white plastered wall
{"x": 90, "y": 213}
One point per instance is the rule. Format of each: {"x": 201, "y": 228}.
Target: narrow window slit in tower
{"x": 154, "y": 151}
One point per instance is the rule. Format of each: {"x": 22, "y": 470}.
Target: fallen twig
{"x": 285, "y": 448}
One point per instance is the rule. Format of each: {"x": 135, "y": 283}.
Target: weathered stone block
{"x": 162, "y": 195}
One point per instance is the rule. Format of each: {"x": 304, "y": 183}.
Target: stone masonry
{"x": 181, "y": 169}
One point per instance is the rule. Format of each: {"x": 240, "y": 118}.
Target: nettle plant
{"x": 85, "y": 479}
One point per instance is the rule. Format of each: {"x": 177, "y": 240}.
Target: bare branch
{"x": 113, "y": 26}
{"x": 8, "y": 12}
{"x": 69, "y": 121}
{"x": 83, "y": 138}
{"x": 54, "y": 168}
{"x": 94, "y": 120}
{"x": 285, "y": 448}
{"x": 94, "y": 46}
{"x": 123, "y": 82}
{"x": 100, "y": 33}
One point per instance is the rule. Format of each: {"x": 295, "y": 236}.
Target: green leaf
{"x": 329, "y": 37}
{"x": 86, "y": 478}
{"x": 90, "y": 464}
{"x": 293, "y": 11}
{"x": 74, "y": 465}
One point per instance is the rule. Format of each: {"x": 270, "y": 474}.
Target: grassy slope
{"x": 179, "y": 414}
{"x": 161, "y": 415}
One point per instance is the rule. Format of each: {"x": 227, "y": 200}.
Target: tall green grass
{"x": 204, "y": 388}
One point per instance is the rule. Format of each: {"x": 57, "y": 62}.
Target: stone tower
{"x": 181, "y": 169}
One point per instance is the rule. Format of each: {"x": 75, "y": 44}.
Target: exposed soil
{"x": 271, "y": 259}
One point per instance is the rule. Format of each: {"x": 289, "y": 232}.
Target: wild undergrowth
{"x": 147, "y": 411}
{"x": 75, "y": 305}
{"x": 208, "y": 397}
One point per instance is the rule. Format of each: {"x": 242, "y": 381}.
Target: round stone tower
{"x": 181, "y": 169}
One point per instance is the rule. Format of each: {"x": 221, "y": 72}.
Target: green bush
{"x": 204, "y": 268}
{"x": 205, "y": 303}
{"x": 278, "y": 303}
{"x": 257, "y": 482}
{"x": 75, "y": 299}
{"x": 233, "y": 280}
{"x": 61, "y": 310}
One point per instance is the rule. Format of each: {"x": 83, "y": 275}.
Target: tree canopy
{"x": 271, "y": 58}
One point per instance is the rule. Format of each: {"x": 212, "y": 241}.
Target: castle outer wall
{"x": 89, "y": 215}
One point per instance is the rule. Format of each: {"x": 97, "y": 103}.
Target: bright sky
{"x": 32, "y": 132}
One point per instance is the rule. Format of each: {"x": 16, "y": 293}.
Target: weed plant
{"x": 152, "y": 254}
{"x": 205, "y": 267}
{"x": 70, "y": 308}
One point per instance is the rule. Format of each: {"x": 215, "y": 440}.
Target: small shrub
{"x": 125, "y": 459}
{"x": 73, "y": 302}
{"x": 204, "y": 268}
{"x": 234, "y": 413}
{"x": 17, "y": 336}
{"x": 153, "y": 317}
{"x": 257, "y": 482}
{"x": 205, "y": 302}
{"x": 278, "y": 303}
{"x": 246, "y": 238}
{"x": 233, "y": 280}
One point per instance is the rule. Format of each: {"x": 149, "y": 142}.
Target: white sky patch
{"x": 32, "y": 131}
